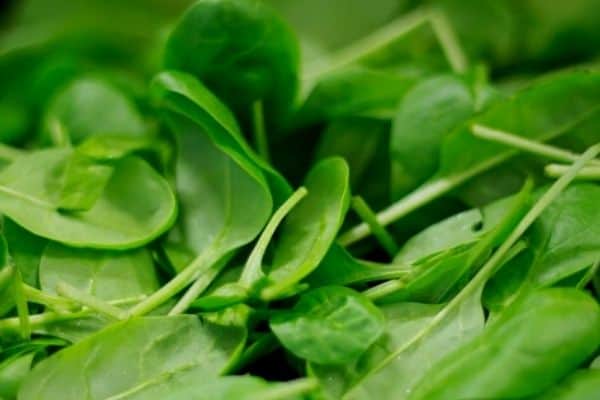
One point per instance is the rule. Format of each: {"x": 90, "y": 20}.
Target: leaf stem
{"x": 423, "y": 195}
{"x": 291, "y": 389}
{"x": 448, "y": 40}
{"x": 34, "y": 295}
{"x": 526, "y": 145}
{"x": 260, "y": 133}
{"x": 197, "y": 288}
{"x": 589, "y": 275}
{"x": 490, "y": 267}
{"x": 383, "y": 289}
{"x": 586, "y": 173}
{"x": 252, "y": 271}
{"x": 90, "y": 301}
{"x": 196, "y": 268}
{"x": 360, "y": 206}
{"x": 21, "y": 303}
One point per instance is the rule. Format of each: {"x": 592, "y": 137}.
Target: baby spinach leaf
{"x": 13, "y": 371}
{"x": 428, "y": 112}
{"x": 338, "y": 267}
{"x": 530, "y": 362}
{"x": 566, "y": 237}
{"x": 310, "y": 228}
{"x": 132, "y": 356}
{"x": 184, "y": 95}
{"x": 25, "y": 249}
{"x": 125, "y": 216}
{"x": 243, "y": 52}
{"x": 186, "y": 386}
{"x": 75, "y": 112}
{"x": 329, "y": 325}
{"x": 107, "y": 275}
{"x": 580, "y": 385}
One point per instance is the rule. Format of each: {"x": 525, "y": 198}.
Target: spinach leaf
{"x": 104, "y": 274}
{"x": 243, "y": 52}
{"x": 12, "y": 373}
{"x": 25, "y": 249}
{"x": 580, "y": 385}
{"x": 428, "y": 112}
{"x": 309, "y": 229}
{"x": 73, "y": 114}
{"x": 330, "y": 325}
{"x": 338, "y": 267}
{"x": 530, "y": 362}
{"x": 125, "y": 216}
{"x": 133, "y": 355}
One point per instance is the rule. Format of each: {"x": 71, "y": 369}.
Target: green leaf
{"x": 310, "y": 228}
{"x": 12, "y": 373}
{"x": 243, "y": 52}
{"x": 330, "y": 325}
{"x": 106, "y": 275}
{"x": 25, "y": 249}
{"x": 338, "y": 267}
{"x": 132, "y": 356}
{"x": 529, "y": 362}
{"x": 125, "y": 216}
{"x": 427, "y": 113}
{"x": 580, "y": 385}
{"x": 186, "y": 96}
{"x": 566, "y": 238}
{"x": 76, "y": 111}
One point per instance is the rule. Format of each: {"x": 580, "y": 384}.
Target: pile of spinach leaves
{"x": 246, "y": 199}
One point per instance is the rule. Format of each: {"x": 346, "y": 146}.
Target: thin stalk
{"x": 490, "y": 267}
{"x": 252, "y": 271}
{"x": 90, "y": 301}
{"x": 197, "y": 288}
{"x": 260, "y": 132}
{"x": 589, "y": 275}
{"x": 426, "y": 193}
{"x": 39, "y": 320}
{"x": 291, "y": 389}
{"x": 381, "y": 234}
{"x": 591, "y": 173}
{"x": 384, "y": 289}
{"x": 21, "y": 303}
{"x": 448, "y": 41}
{"x": 196, "y": 268}
{"x": 56, "y": 303}
{"x": 368, "y": 44}
{"x": 526, "y": 145}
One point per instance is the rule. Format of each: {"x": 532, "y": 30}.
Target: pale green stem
{"x": 381, "y": 234}
{"x": 448, "y": 41}
{"x": 499, "y": 255}
{"x": 39, "y": 320}
{"x": 197, "y": 288}
{"x": 56, "y": 303}
{"x": 526, "y": 145}
{"x": 384, "y": 289}
{"x": 90, "y": 301}
{"x": 252, "y": 271}
{"x": 259, "y": 129}
{"x": 591, "y": 173}
{"x": 589, "y": 275}
{"x": 364, "y": 46}
{"x": 21, "y": 303}
{"x": 290, "y": 390}
{"x": 196, "y": 268}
